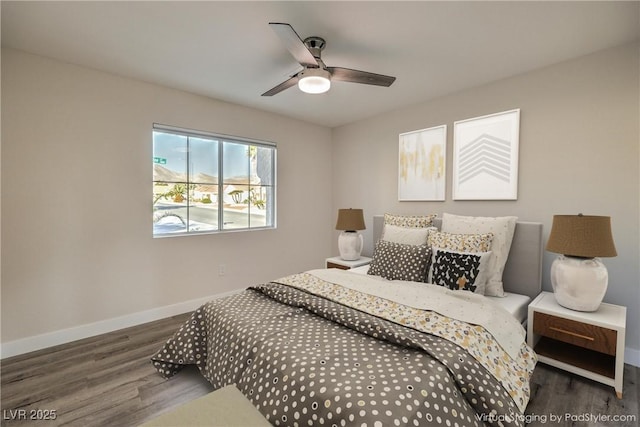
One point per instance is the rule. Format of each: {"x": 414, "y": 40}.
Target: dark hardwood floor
{"x": 108, "y": 380}
{"x": 563, "y": 399}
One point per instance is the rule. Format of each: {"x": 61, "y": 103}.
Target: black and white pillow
{"x": 459, "y": 270}
{"x": 397, "y": 261}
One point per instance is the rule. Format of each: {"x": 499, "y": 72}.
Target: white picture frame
{"x": 422, "y": 160}
{"x": 485, "y": 157}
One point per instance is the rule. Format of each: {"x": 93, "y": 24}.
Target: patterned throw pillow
{"x": 459, "y": 270}
{"x": 410, "y": 221}
{"x": 396, "y": 261}
{"x": 502, "y": 228}
{"x": 461, "y": 242}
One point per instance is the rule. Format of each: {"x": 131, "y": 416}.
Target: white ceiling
{"x": 227, "y": 51}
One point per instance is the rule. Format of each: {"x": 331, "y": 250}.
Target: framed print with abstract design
{"x": 421, "y": 164}
{"x": 485, "y": 157}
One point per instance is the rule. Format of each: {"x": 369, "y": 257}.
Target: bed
{"x": 522, "y": 275}
{"x": 339, "y": 348}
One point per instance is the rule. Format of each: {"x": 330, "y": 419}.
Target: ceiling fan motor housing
{"x": 315, "y": 45}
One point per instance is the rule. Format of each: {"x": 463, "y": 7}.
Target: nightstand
{"x": 590, "y": 344}
{"x": 337, "y": 262}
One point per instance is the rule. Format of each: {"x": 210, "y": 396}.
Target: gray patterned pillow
{"x": 459, "y": 270}
{"x": 397, "y": 261}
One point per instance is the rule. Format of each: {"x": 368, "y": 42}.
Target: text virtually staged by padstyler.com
{"x": 584, "y": 418}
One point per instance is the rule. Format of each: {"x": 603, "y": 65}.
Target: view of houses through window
{"x": 209, "y": 183}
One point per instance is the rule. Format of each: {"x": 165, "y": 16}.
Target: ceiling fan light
{"x": 314, "y": 80}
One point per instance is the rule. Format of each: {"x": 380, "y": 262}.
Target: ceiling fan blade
{"x": 282, "y": 86}
{"x": 356, "y": 76}
{"x": 294, "y": 44}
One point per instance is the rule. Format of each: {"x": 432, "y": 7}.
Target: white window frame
{"x": 221, "y": 138}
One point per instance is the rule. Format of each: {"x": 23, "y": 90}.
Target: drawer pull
{"x": 553, "y": 328}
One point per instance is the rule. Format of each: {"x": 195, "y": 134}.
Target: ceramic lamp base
{"x": 350, "y": 245}
{"x": 579, "y": 283}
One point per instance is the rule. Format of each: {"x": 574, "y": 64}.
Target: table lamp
{"x": 578, "y": 276}
{"x": 350, "y": 242}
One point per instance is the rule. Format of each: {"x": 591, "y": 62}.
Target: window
{"x": 204, "y": 183}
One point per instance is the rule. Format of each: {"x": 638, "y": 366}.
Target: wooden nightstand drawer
{"x": 577, "y": 333}
{"x": 333, "y": 265}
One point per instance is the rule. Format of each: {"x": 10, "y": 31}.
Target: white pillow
{"x": 502, "y": 229}
{"x": 405, "y": 235}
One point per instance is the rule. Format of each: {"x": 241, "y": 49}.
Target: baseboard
{"x": 632, "y": 356}
{"x": 50, "y": 339}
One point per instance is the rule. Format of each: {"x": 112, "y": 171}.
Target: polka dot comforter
{"x": 305, "y": 360}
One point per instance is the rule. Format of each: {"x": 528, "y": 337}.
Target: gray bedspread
{"x": 305, "y": 360}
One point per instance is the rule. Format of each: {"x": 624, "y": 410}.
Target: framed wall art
{"x": 485, "y": 157}
{"x": 421, "y": 164}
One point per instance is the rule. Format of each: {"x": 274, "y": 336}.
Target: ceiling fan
{"x": 316, "y": 76}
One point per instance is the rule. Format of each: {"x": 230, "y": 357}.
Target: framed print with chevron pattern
{"x": 421, "y": 164}
{"x": 485, "y": 157}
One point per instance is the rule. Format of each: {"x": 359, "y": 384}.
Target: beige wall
{"x": 579, "y": 152}
{"x": 77, "y": 242}
{"x": 76, "y": 214}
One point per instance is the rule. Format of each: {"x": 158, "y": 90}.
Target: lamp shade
{"x": 350, "y": 220}
{"x": 584, "y": 236}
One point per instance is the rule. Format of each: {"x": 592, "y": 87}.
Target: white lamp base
{"x": 350, "y": 245}
{"x": 579, "y": 283}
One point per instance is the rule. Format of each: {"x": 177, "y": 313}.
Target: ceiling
{"x": 227, "y": 51}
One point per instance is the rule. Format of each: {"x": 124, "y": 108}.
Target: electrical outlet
{"x": 222, "y": 270}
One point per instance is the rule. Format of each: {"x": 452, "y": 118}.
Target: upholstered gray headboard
{"x": 523, "y": 271}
